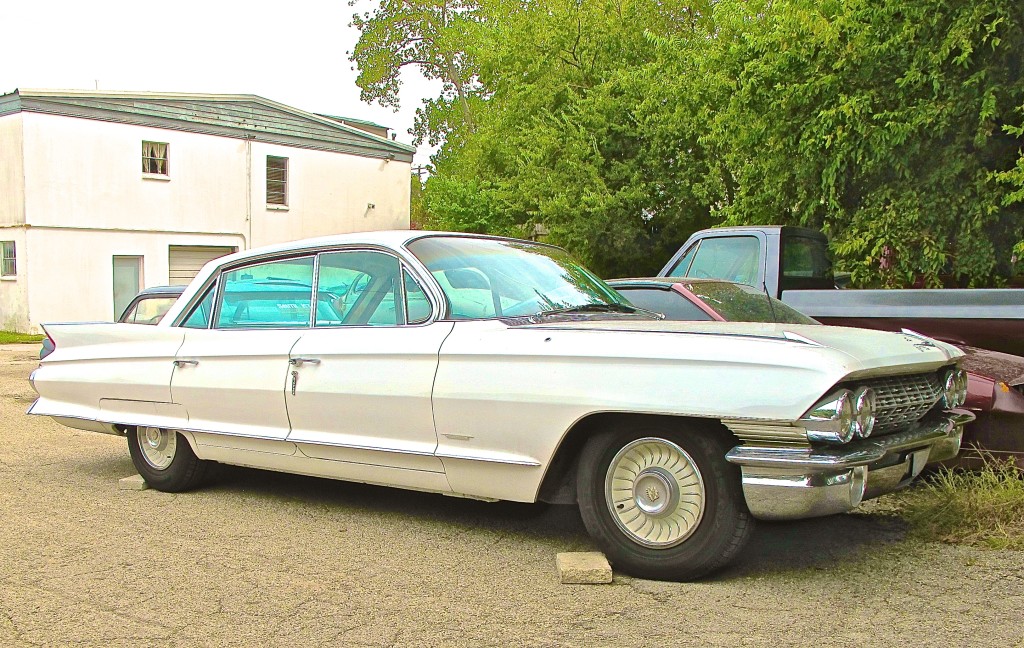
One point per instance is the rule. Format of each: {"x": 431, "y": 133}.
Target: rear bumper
{"x": 793, "y": 483}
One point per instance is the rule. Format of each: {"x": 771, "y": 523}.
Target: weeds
{"x": 984, "y": 507}
{"x": 9, "y": 337}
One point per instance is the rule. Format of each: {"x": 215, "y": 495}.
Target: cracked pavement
{"x": 259, "y": 558}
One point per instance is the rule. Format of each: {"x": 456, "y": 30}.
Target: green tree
{"x": 436, "y": 37}
{"x": 887, "y": 124}
{"x": 622, "y": 126}
{"x": 559, "y": 141}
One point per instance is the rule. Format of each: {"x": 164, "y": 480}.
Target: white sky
{"x": 292, "y": 52}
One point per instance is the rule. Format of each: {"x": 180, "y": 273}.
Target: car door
{"x": 360, "y": 380}
{"x": 231, "y": 371}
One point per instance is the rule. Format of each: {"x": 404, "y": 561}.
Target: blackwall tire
{"x": 165, "y": 459}
{"x": 663, "y": 503}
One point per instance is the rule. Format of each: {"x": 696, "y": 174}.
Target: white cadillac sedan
{"x": 503, "y": 370}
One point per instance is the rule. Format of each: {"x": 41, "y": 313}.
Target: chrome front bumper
{"x": 793, "y": 483}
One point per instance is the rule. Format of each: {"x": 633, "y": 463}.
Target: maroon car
{"x": 995, "y": 384}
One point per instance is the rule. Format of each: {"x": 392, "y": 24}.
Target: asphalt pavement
{"x": 259, "y": 558}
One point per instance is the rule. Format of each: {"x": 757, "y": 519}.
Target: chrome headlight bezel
{"x": 864, "y": 406}
{"x": 832, "y": 419}
{"x": 962, "y": 383}
{"x": 954, "y": 388}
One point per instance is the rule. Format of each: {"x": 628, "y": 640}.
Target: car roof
{"x": 169, "y": 291}
{"x": 393, "y": 239}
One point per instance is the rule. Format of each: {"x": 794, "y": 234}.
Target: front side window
{"x": 277, "y": 180}
{"x": 276, "y": 294}
{"x": 367, "y": 288}
{"x": 8, "y": 259}
{"x": 154, "y": 158}
{"x": 417, "y": 306}
{"x": 734, "y": 258}
{"x": 486, "y": 278}
{"x": 679, "y": 270}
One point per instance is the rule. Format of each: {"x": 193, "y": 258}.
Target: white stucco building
{"x": 104, "y": 193}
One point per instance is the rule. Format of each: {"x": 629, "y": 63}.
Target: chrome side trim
{"x": 87, "y": 425}
{"x": 511, "y": 460}
{"x": 782, "y": 432}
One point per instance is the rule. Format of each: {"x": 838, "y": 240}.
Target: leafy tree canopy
{"x": 621, "y": 127}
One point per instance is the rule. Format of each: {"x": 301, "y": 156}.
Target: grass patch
{"x": 981, "y": 508}
{"x": 10, "y": 337}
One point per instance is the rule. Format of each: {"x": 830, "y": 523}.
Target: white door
{"x": 361, "y": 379}
{"x": 233, "y": 382}
{"x": 231, "y": 377}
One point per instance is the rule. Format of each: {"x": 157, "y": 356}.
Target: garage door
{"x": 185, "y": 261}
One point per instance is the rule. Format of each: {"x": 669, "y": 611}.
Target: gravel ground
{"x": 263, "y": 558}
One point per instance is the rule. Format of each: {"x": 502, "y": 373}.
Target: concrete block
{"x": 135, "y": 482}
{"x": 583, "y": 568}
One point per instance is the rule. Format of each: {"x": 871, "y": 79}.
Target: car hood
{"x": 870, "y": 349}
{"x": 995, "y": 365}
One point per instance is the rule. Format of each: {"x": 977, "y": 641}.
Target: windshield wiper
{"x": 599, "y": 308}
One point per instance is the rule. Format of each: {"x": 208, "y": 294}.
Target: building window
{"x": 8, "y": 267}
{"x": 277, "y": 180}
{"x": 154, "y": 158}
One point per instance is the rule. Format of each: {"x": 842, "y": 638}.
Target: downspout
{"x": 248, "y": 189}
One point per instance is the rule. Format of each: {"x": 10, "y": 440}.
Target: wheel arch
{"x": 125, "y": 430}
{"x": 559, "y": 483}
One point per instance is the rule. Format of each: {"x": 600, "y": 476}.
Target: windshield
{"x": 743, "y": 303}
{"x": 484, "y": 278}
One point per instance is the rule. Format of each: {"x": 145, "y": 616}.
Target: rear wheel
{"x": 165, "y": 459}
{"x": 663, "y": 503}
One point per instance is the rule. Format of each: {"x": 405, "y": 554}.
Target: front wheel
{"x": 663, "y": 503}
{"x": 165, "y": 459}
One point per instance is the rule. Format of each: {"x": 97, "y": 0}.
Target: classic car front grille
{"x": 902, "y": 400}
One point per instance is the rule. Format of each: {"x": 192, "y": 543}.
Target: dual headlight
{"x": 954, "y": 388}
{"x": 841, "y": 415}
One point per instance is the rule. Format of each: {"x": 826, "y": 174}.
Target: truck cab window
{"x": 734, "y": 258}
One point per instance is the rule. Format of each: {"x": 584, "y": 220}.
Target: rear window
{"x": 667, "y": 302}
{"x": 149, "y": 310}
{"x": 742, "y": 303}
{"x": 805, "y": 258}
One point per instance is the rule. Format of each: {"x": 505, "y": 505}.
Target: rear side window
{"x": 200, "y": 316}
{"x": 805, "y": 258}
{"x": 277, "y": 294}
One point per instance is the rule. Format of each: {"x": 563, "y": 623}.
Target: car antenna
{"x": 771, "y": 306}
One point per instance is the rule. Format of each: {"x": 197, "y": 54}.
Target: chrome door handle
{"x": 182, "y": 363}
{"x": 298, "y": 362}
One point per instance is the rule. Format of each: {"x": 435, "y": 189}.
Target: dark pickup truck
{"x": 793, "y": 264}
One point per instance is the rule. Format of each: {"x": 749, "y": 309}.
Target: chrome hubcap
{"x": 158, "y": 446}
{"x": 654, "y": 492}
